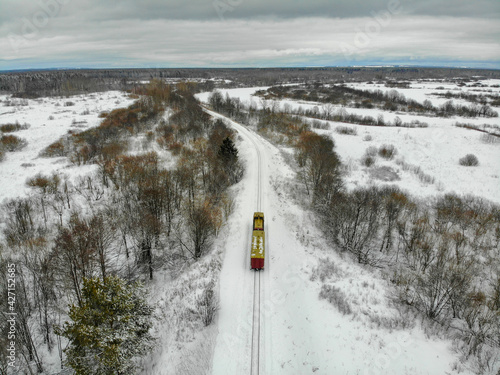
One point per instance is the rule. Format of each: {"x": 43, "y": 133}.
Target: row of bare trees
{"x": 391, "y": 100}
{"x": 443, "y": 258}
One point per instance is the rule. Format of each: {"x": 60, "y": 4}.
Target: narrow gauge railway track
{"x": 256, "y": 343}
{"x": 255, "y": 364}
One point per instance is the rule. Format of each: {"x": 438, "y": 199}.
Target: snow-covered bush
{"x": 469, "y": 160}
{"x": 490, "y": 138}
{"x": 326, "y": 269}
{"x": 387, "y": 151}
{"x": 9, "y": 128}
{"x": 317, "y": 124}
{"x": 346, "y": 130}
{"x": 336, "y": 297}
{"x": 13, "y": 143}
{"x": 55, "y": 149}
{"x": 370, "y": 156}
{"x": 207, "y": 305}
{"x": 367, "y": 160}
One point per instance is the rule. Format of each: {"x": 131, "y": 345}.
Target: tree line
{"x": 30, "y": 84}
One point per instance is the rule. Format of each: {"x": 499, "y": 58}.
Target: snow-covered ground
{"x": 434, "y": 150}
{"x": 426, "y": 89}
{"x": 49, "y": 119}
{"x": 300, "y": 333}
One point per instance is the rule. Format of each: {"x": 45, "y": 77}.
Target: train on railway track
{"x": 257, "y": 252}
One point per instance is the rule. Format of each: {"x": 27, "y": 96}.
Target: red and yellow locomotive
{"x": 257, "y": 253}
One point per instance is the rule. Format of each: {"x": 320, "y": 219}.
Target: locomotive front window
{"x": 258, "y": 223}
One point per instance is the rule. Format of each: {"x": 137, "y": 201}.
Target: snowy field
{"x": 48, "y": 119}
{"x": 427, "y": 159}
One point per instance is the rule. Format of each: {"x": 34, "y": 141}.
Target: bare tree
{"x": 351, "y": 221}
{"x": 393, "y": 203}
{"x": 319, "y": 164}
{"x": 74, "y": 253}
{"x": 200, "y": 228}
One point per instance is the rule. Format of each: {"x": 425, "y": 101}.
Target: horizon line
{"x": 424, "y": 66}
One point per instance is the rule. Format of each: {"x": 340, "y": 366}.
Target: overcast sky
{"x": 261, "y": 33}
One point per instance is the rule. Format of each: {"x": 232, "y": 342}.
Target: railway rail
{"x": 255, "y": 357}
{"x": 256, "y": 320}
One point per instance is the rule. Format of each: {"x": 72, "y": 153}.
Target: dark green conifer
{"x": 109, "y": 328}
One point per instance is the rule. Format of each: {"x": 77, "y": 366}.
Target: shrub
{"x": 346, "y": 130}
{"x": 316, "y": 124}
{"x": 367, "y": 160}
{"x": 54, "y": 150}
{"x": 416, "y": 170}
{"x": 490, "y": 138}
{"x": 469, "y": 160}
{"x": 369, "y": 157}
{"x": 336, "y": 297}
{"x": 384, "y": 173}
{"x": 207, "y": 305}
{"x": 9, "y": 128}
{"x": 371, "y": 151}
{"x": 367, "y": 138}
{"x": 387, "y": 151}
{"x": 398, "y": 121}
{"x": 13, "y": 143}
{"x": 326, "y": 270}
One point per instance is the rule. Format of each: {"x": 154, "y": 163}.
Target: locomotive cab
{"x": 258, "y": 221}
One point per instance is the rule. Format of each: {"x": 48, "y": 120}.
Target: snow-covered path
{"x": 299, "y": 333}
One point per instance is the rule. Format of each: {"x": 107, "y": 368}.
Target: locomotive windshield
{"x": 258, "y": 221}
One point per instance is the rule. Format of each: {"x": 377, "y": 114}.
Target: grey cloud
{"x": 455, "y": 8}
{"x": 88, "y": 10}
{"x": 289, "y": 42}
{"x": 254, "y": 32}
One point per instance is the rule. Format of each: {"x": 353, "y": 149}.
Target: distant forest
{"x": 32, "y": 84}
